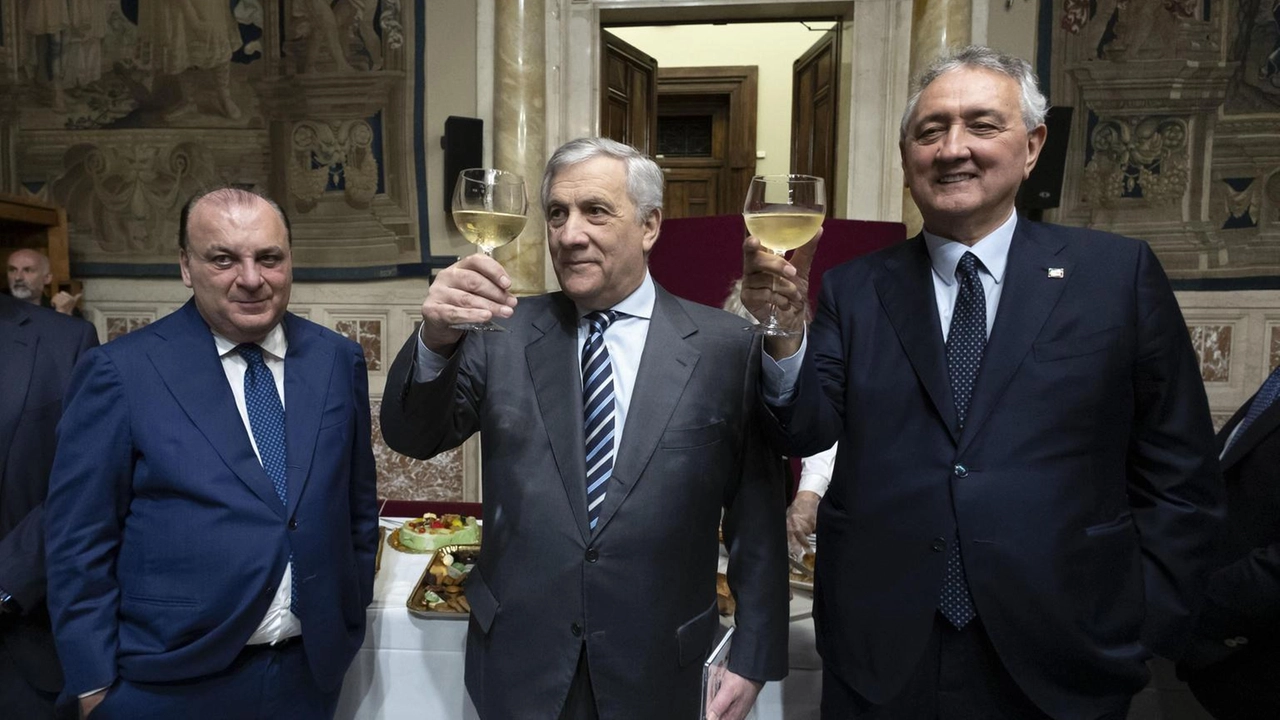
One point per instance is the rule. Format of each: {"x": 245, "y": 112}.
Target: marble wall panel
{"x": 368, "y": 333}
{"x": 118, "y": 325}
{"x": 1273, "y": 347}
{"x": 1213, "y": 347}
{"x": 404, "y": 478}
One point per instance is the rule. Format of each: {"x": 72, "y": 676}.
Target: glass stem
{"x": 773, "y": 304}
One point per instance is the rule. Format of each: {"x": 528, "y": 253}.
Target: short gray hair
{"x": 1034, "y": 104}
{"x": 644, "y": 177}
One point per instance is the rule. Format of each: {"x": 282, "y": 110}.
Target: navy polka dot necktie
{"x": 599, "y": 410}
{"x": 966, "y": 340}
{"x": 266, "y": 420}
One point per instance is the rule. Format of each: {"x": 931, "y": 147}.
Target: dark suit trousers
{"x": 959, "y": 677}
{"x": 1245, "y": 686}
{"x": 263, "y": 683}
{"x": 581, "y": 701}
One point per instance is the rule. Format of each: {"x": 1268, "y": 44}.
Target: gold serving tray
{"x": 799, "y": 580}
{"x": 456, "y": 608}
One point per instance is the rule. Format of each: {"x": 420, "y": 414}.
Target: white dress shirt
{"x": 625, "y": 339}
{"x": 279, "y": 623}
{"x": 993, "y": 250}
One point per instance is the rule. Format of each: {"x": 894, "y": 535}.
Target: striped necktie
{"x": 598, "y": 407}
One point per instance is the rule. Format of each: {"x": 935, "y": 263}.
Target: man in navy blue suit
{"x": 216, "y": 513}
{"x": 38, "y": 349}
{"x": 1025, "y": 493}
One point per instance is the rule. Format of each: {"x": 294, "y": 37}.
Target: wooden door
{"x": 813, "y": 110}
{"x": 706, "y": 138}
{"x": 629, "y": 96}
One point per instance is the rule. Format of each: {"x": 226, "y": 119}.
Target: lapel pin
{"x": 1057, "y": 273}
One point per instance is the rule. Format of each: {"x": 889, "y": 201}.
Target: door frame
{"x": 876, "y": 57}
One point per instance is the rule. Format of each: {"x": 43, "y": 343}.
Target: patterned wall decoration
{"x": 118, "y": 325}
{"x": 1178, "y": 141}
{"x": 120, "y": 110}
{"x": 368, "y": 333}
{"x": 1213, "y": 347}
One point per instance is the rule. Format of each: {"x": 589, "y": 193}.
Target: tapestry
{"x": 123, "y": 109}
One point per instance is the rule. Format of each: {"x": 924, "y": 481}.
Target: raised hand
{"x": 472, "y": 290}
{"x": 769, "y": 279}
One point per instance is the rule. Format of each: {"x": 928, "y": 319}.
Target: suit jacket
{"x": 1083, "y": 484}
{"x": 640, "y": 590}
{"x": 38, "y": 349}
{"x": 1244, "y": 589}
{"x": 170, "y": 538}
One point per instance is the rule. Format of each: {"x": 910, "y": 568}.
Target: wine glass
{"x": 490, "y": 209}
{"x": 783, "y": 212}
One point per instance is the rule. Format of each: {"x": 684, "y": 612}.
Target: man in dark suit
{"x": 38, "y": 349}
{"x": 1025, "y": 493}
{"x": 1233, "y": 666}
{"x": 594, "y": 596}
{"x": 216, "y": 513}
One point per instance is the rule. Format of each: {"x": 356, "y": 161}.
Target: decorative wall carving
{"x": 125, "y": 108}
{"x": 1143, "y": 157}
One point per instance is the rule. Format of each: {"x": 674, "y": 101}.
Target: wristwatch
{"x": 8, "y": 606}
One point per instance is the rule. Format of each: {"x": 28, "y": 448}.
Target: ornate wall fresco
{"x": 1177, "y": 133}
{"x": 119, "y": 110}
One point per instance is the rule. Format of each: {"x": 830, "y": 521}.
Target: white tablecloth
{"x": 412, "y": 667}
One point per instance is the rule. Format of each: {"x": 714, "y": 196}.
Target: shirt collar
{"x": 992, "y": 250}
{"x": 275, "y": 344}
{"x": 638, "y": 304}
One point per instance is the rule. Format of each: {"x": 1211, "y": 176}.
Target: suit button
{"x": 293, "y": 524}
{"x": 961, "y": 471}
{"x": 592, "y": 555}
{"x": 1230, "y": 642}
{"x": 938, "y": 544}
{"x": 576, "y": 629}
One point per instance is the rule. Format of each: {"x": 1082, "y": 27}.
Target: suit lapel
{"x": 188, "y": 364}
{"x": 308, "y": 371}
{"x": 906, "y": 293}
{"x": 18, "y": 345}
{"x": 665, "y": 368}
{"x": 553, "y": 366}
{"x": 1028, "y": 296}
{"x": 1252, "y": 435}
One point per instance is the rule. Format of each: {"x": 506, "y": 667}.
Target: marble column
{"x": 936, "y": 26}
{"x": 520, "y": 128}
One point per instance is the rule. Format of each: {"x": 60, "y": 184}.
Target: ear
{"x": 906, "y": 167}
{"x": 652, "y": 225}
{"x": 183, "y": 264}
{"x": 1035, "y": 143}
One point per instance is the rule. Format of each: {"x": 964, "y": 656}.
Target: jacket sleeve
{"x": 1175, "y": 492}
{"x": 755, "y": 536}
{"x": 89, "y": 491}
{"x": 363, "y": 480}
{"x": 424, "y": 419}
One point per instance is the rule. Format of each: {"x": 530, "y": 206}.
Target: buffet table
{"x": 411, "y": 666}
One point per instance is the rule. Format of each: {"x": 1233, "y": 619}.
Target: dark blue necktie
{"x": 598, "y": 409}
{"x": 266, "y": 419}
{"x": 1262, "y": 400}
{"x": 966, "y": 340}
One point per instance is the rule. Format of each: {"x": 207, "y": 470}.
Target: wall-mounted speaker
{"x": 463, "y": 145}
{"x": 1043, "y": 188}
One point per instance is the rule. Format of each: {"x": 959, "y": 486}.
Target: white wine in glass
{"x": 490, "y": 208}
{"x": 783, "y": 212}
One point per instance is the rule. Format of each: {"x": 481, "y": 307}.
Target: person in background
{"x": 610, "y": 497}
{"x": 216, "y": 514}
{"x": 815, "y": 470}
{"x": 38, "y": 349}
{"x": 1233, "y": 666}
{"x": 29, "y": 275}
{"x": 1026, "y": 498}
